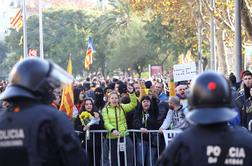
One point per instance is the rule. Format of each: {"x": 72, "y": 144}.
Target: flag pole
{"x": 24, "y": 30}
{"x": 41, "y": 50}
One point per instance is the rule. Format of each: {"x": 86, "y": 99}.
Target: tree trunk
{"x": 222, "y": 66}
{"x": 230, "y": 59}
{"x": 139, "y": 74}
{"x": 246, "y": 18}
{"x": 139, "y": 70}
{"x": 129, "y": 73}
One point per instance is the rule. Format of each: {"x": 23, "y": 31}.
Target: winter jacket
{"x": 147, "y": 119}
{"x": 176, "y": 118}
{"x": 114, "y": 117}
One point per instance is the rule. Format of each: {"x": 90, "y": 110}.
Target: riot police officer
{"x": 33, "y": 133}
{"x": 211, "y": 141}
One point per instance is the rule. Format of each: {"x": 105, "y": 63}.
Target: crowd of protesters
{"x": 117, "y": 105}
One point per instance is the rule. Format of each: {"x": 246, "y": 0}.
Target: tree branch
{"x": 228, "y": 15}
{"x": 246, "y": 17}
{"x": 217, "y": 17}
{"x": 163, "y": 61}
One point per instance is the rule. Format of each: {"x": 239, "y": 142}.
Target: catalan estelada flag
{"x": 67, "y": 99}
{"x": 89, "y": 55}
{"x": 17, "y": 21}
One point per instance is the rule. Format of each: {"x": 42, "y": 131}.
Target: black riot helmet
{"x": 210, "y": 99}
{"x": 34, "y": 78}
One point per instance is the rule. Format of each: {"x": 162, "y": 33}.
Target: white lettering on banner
{"x": 213, "y": 152}
{"x": 236, "y": 156}
{"x": 169, "y": 135}
{"x": 182, "y": 72}
{"x": 12, "y": 134}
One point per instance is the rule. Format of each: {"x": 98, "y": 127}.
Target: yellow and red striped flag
{"x": 171, "y": 83}
{"x": 67, "y": 99}
{"x": 89, "y": 55}
{"x": 16, "y": 21}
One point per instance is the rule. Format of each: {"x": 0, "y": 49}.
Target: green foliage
{"x": 129, "y": 47}
{"x": 121, "y": 38}
{"x": 64, "y": 34}
{"x": 3, "y": 51}
{"x": 3, "y": 55}
{"x": 165, "y": 44}
{"x": 114, "y": 19}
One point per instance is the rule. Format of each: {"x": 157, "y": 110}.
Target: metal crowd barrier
{"x": 169, "y": 135}
{"x": 250, "y": 125}
{"x": 99, "y": 148}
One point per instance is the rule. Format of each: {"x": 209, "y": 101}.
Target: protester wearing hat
{"x": 211, "y": 141}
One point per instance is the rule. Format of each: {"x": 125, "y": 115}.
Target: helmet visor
{"x": 59, "y": 77}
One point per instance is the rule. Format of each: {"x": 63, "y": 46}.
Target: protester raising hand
{"x": 130, "y": 88}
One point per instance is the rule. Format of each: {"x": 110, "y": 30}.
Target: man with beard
{"x": 181, "y": 94}
{"x": 175, "y": 116}
{"x": 159, "y": 88}
{"x": 136, "y": 86}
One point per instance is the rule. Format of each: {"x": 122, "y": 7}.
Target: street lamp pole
{"x": 24, "y": 31}
{"x": 200, "y": 47}
{"x": 213, "y": 59}
{"x": 238, "y": 42}
{"x": 41, "y": 49}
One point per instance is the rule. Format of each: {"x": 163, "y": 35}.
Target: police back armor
{"x": 217, "y": 144}
{"x": 38, "y": 135}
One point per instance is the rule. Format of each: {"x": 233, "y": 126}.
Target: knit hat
{"x": 122, "y": 88}
{"x": 148, "y": 84}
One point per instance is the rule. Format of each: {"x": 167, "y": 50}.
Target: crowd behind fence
{"x": 98, "y": 157}
{"x": 141, "y": 155}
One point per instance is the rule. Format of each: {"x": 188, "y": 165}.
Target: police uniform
{"x": 33, "y": 133}
{"x": 211, "y": 141}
